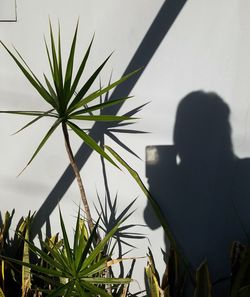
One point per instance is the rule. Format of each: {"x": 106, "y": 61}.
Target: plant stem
{"x": 78, "y": 177}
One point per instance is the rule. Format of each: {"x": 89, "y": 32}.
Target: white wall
{"x": 8, "y": 10}
{"x": 207, "y": 48}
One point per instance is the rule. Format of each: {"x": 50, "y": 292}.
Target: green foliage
{"x": 174, "y": 279}
{"x": 153, "y": 281}
{"x": 4, "y": 231}
{"x": 13, "y": 280}
{"x": 78, "y": 270}
{"x": 85, "y": 268}
{"x": 67, "y": 105}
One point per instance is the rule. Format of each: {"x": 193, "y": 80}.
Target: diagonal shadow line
{"x": 147, "y": 48}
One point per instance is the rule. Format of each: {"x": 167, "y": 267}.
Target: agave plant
{"x": 77, "y": 270}
{"x": 70, "y": 101}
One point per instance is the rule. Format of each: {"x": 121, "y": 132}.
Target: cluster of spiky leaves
{"x": 78, "y": 270}
{"x": 69, "y": 101}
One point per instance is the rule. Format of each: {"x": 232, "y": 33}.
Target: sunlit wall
{"x": 207, "y": 47}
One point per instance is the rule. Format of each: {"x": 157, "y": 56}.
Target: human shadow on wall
{"x": 204, "y": 193}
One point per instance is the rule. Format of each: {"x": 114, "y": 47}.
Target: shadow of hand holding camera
{"x": 205, "y": 196}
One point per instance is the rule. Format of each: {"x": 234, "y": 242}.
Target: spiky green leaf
{"x": 106, "y": 280}
{"x": 93, "y": 289}
{"x": 100, "y": 106}
{"x": 60, "y": 290}
{"x": 65, "y": 239}
{"x": 42, "y": 143}
{"x": 98, "y": 93}
{"x": 70, "y": 64}
{"x": 47, "y": 271}
{"x": 90, "y": 142}
{"x": 101, "y": 118}
{"x": 45, "y": 114}
{"x": 100, "y": 247}
{"x": 87, "y": 85}
{"x": 38, "y": 86}
{"x": 80, "y": 70}
{"x": 87, "y": 248}
{"x": 51, "y": 90}
{"x": 56, "y": 75}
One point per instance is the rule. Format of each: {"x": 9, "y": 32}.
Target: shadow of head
{"x": 202, "y": 127}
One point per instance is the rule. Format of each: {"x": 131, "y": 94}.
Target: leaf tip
{"x": 22, "y": 170}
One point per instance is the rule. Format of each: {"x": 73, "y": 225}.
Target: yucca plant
{"x": 70, "y": 101}
{"x": 77, "y": 270}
